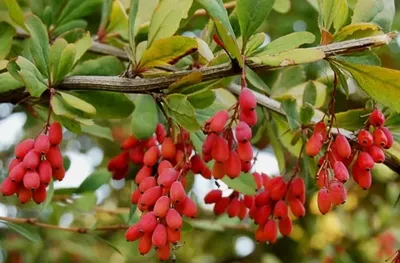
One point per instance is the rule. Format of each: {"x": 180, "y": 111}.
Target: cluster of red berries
{"x": 160, "y": 194}
{"x": 340, "y": 155}
{"x": 232, "y": 151}
{"x": 35, "y": 163}
{"x": 269, "y": 207}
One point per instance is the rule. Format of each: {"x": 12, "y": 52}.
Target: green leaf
{"x": 94, "y": 181}
{"x": 82, "y": 45}
{"x": 6, "y": 37}
{"x": 77, "y": 103}
{"x": 105, "y": 12}
{"x": 197, "y": 139}
{"x": 310, "y": 93}
{"x": 55, "y": 53}
{"x": 380, "y": 12}
{"x": 108, "y": 105}
{"x": 21, "y": 63}
{"x": 95, "y": 67}
{"x": 62, "y": 109}
{"x": 290, "y": 108}
{"x": 251, "y": 14}
{"x": 306, "y": 113}
{"x": 65, "y": 62}
{"x": 85, "y": 202}
{"x": 166, "y": 18}
{"x": 244, "y": 183}
{"x": 254, "y": 43}
{"x": 34, "y": 85}
{"x": 168, "y": 51}
{"x": 79, "y": 23}
{"x": 380, "y": 83}
{"x": 70, "y": 124}
{"x": 66, "y": 163}
{"x": 358, "y": 30}
{"x": 256, "y": 81}
{"x": 182, "y": 111}
{"x": 365, "y": 58}
{"x": 133, "y": 10}
{"x": 286, "y": 43}
{"x": 342, "y": 79}
{"x": 276, "y": 145}
{"x": 34, "y": 237}
{"x": 217, "y": 11}
{"x": 292, "y": 57}
{"x": 335, "y": 13}
{"x": 118, "y": 21}
{"x": 285, "y": 135}
{"x": 187, "y": 80}
{"x": 39, "y": 43}
{"x": 98, "y": 131}
{"x": 144, "y": 117}
{"x": 15, "y": 12}
{"x": 74, "y": 9}
{"x": 282, "y": 6}
{"x": 202, "y": 99}
{"x": 8, "y": 83}
{"x": 351, "y": 120}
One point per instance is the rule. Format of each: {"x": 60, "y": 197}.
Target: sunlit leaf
{"x": 244, "y": 184}
{"x": 380, "y": 12}
{"x": 144, "y": 117}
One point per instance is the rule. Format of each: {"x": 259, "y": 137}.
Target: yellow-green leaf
{"x": 182, "y": 111}
{"x": 282, "y": 6}
{"x": 244, "y": 183}
{"x": 6, "y": 37}
{"x": 82, "y": 45}
{"x": 335, "y": 13}
{"x": 78, "y": 103}
{"x": 380, "y": 12}
{"x": 168, "y": 51}
{"x": 54, "y": 55}
{"x": 118, "y": 21}
{"x": 65, "y": 62}
{"x": 34, "y": 86}
{"x": 351, "y": 120}
{"x": 144, "y": 117}
{"x": 358, "y": 30}
{"x": 188, "y": 80}
{"x": 15, "y": 12}
{"x": 292, "y": 57}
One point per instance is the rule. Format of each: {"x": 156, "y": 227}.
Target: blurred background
{"x": 365, "y": 229}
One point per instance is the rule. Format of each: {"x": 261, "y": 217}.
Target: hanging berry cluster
{"x": 232, "y": 151}
{"x": 269, "y": 207}
{"x": 35, "y": 163}
{"x": 161, "y": 181}
{"x": 340, "y": 156}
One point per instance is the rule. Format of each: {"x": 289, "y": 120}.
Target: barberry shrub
{"x": 185, "y": 100}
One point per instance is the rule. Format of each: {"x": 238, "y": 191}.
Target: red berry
{"x": 298, "y": 189}
{"x": 232, "y": 166}
{"x": 135, "y": 196}
{"x": 246, "y": 166}
{"x": 143, "y": 173}
{"x": 173, "y": 236}
{"x": 167, "y": 177}
{"x": 343, "y": 147}
{"x": 377, "y": 154}
{"x": 365, "y": 179}
{"x": 168, "y": 149}
{"x": 163, "y": 165}
{"x": 324, "y": 201}
{"x": 247, "y": 100}
{"x": 213, "y": 196}
{"x": 285, "y": 226}
{"x": 145, "y": 244}
{"x": 177, "y": 193}
{"x": 17, "y": 174}
{"x": 129, "y": 143}
{"x": 233, "y": 208}
{"x": 389, "y": 137}
{"x": 147, "y": 223}
{"x": 220, "y": 151}
{"x": 8, "y": 187}
{"x": 262, "y": 198}
{"x": 119, "y": 162}
{"x": 218, "y": 170}
{"x": 259, "y": 180}
{"x": 221, "y": 205}
{"x": 151, "y": 196}
{"x": 341, "y": 172}
{"x": 218, "y": 121}
{"x": 278, "y": 189}
{"x": 197, "y": 164}
{"x": 31, "y": 160}
{"x": 320, "y": 127}
{"x": 365, "y": 161}
{"x": 281, "y": 210}
{"x": 377, "y": 119}
{"x": 147, "y": 183}
{"x": 55, "y": 134}
{"x": 338, "y": 193}
{"x": 162, "y": 206}
{"x": 14, "y": 162}
{"x": 45, "y": 172}
{"x": 24, "y": 195}
{"x": 322, "y": 178}
{"x": 271, "y": 231}
{"x": 136, "y": 155}
{"x": 365, "y": 138}
{"x": 189, "y": 208}
{"x": 174, "y": 219}
{"x": 243, "y": 211}
{"x": 151, "y": 156}
{"x": 261, "y": 235}
{"x": 206, "y": 172}
{"x": 163, "y": 253}
{"x": 59, "y": 174}
{"x": 379, "y": 138}
{"x": 314, "y": 144}
{"x": 243, "y": 132}
{"x": 249, "y": 117}
{"x": 39, "y": 195}
{"x": 42, "y": 144}
{"x": 209, "y": 142}
{"x": 248, "y": 201}
{"x": 160, "y": 133}
{"x": 262, "y": 215}
{"x": 31, "y": 180}
{"x": 133, "y": 233}
{"x": 23, "y": 148}
{"x": 54, "y": 157}
{"x": 245, "y": 151}
{"x": 159, "y": 237}
{"x": 297, "y": 208}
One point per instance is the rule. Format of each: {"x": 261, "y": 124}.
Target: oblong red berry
{"x": 245, "y": 151}
{"x": 8, "y": 187}
{"x": 248, "y": 201}
{"x": 136, "y": 155}
{"x": 262, "y": 198}
{"x": 147, "y": 223}
{"x": 167, "y": 177}
{"x": 338, "y": 193}
{"x": 243, "y": 132}
{"x": 249, "y": 117}
{"x": 262, "y": 215}
{"x": 59, "y": 174}
{"x": 145, "y": 244}
{"x": 285, "y": 226}
{"x": 298, "y": 189}
{"x": 206, "y": 172}
{"x": 209, "y": 142}
{"x": 39, "y": 195}
{"x": 23, "y": 148}
{"x": 14, "y": 162}
{"x": 135, "y": 196}
{"x": 379, "y": 138}
{"x": 278, "y": 189}
{"x": 233, "y": 208}
{"x": 221, "y": 205}
{"x": 151, "y": 196}
{"x": 197, "y": 164}
{"x": 220, "y": 151}
{"x": 365, "y": 179}
{"x": 119, "y": 162}
{"x": 177, "y": 193}
{"x": 151, "y": 156}
{"x": 377, "y": 119}
{"x": 247, "y": 100}
{"x": 164, "y": 164}
{"x": 55, "y": 158}
{"x": 314, "y": 144}
{"x": 31, "y": 160}
{"x": 258, "y": 179}
{"x": 31, "y": 180}
{"x": 24, "y": 195}
{"x": 55, "y": 134}
{"x": 389, "y": 137}
{"x": 246, "y": 166}
{"x": 260, "y": 234}
{"x": 342, "y": 146}
{"x": 213, "y": 196}
{"x": 147, "y": 183}
{"x": 218, "y": 170}
{"x": 133, "y": 233}
{"x": 324, "y": 201}
{"x": 322, "y": 178}
{"x": 243, "y": 211}
{"x": 232, "y": 166}
{"x": 271, "y": 231}
{"x": 297, "y": 208}
{"x": 173, "y": 236}
{"x": 144, "y": 172}
{"x": 189, "y": 208}
{"x": 163, "y": 253}
{"x": 377, "y": 154}
{"x": 129, "y": 143}
{"x": 320, "y": 127}
{"x": 174, "y": 219}
{"x": 341, "y": 172}
{"x": 365, "y": 138}
{"x": 159, "y": 237}
{"x": 45, "y": 172}
{"x": 365, "y": 161}
{"x": 218, "y": 121}
{"x": 42, "y": 144}
{"x": 17, "y": 174}
{"x": 162, "y": 206}
{"x": 160, "y": 133}
{"x": 281, "y": 210}
{"x": 168, "y": 149}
